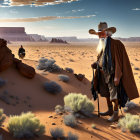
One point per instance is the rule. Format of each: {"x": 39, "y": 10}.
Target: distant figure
{"x": 21, "y": 52}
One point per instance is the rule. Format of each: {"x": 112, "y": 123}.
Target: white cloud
{"x": 10, "y": 3}
{"x": 79, "y": 10}
{"x": 136, "y": 9}
{"x": 35, "y": 19}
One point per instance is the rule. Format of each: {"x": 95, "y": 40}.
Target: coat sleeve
{"x": 118, "y": 60}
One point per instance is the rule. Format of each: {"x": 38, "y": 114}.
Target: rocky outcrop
{"x": 55, "y": 40}
{"x": 7, "y": 59}
{"x": 14, "y": 34}
{"x": 6, "y": 56}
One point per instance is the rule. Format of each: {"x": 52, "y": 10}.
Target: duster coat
{"x": 123, "y": 70}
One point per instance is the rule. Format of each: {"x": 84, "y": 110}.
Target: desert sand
{"x": 32, "y": 96}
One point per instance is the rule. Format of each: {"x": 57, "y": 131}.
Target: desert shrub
{"x": 72, "y": 136}
{"x": 130, "y": 122}
{"x": 70, "y": 70}
{"x": 129, "y": 106}
{"x": 52, "y": 87}
{"x": 2, "y": 82}
{"x": 57, "y": 133}
{"x": 63, "y": 78}
{"x": 59, "y": 109}
{"x": 79, "y": 103}
{"x": 93, "y": 126}
{"x": 2, "y": 117}
{"x": 25, "y": 126}
{"x": 70, "y": 120}
{"x": 48, "y": 65}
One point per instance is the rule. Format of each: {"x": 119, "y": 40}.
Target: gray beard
{"x": 101, "y": 45}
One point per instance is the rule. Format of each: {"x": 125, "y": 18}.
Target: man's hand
{"x": 116, "y": 81}
{"x": 94, "y": 65}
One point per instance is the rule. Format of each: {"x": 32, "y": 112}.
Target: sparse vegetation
{"x": 25, "y": 126}
{"x": 59, "y": 109}
{"x": 63, "y": 78}
{"x": 72, "y": 136}
{"x": 79, "y": 103}
{"x": 129, "y": 106}
{"x": 130, "y": 122}
{"x": 70, "y": 120}
{"x": 70, "y": 70}
{"x": 2, "y": 117}
{"x": 52, "y": 87}
{"x": 48, "y": 65}
{"x": 57, "y": 133}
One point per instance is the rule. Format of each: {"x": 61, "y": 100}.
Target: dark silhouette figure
{"x": 21, "y": 52}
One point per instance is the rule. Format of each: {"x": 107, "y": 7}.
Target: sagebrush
{"x": 70, "y": 120}
{"x": 25, "y": 125}
{"x": 52, "y": 87}
{"x": 72, "y": 136}
{"x": 57, "y": 133}
{"x": 48, "y": 65}
{"x": 79, "y": 103}
{"x": 63, "y": 78}
{"x": 130, "y": 122}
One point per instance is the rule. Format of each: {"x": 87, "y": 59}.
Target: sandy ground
{"x": 78, "y": 56}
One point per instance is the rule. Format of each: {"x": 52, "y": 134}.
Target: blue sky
{"x": 71, "y": 17}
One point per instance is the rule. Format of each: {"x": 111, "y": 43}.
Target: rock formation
{"x": 14, "y": 34}
{"x": 7, "y": 59}
{"x": 55, "y": 40}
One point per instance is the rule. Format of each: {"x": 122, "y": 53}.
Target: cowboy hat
{"x": 103, "y": 27}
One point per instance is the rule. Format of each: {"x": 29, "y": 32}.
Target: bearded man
{"x": 113, "y": 78}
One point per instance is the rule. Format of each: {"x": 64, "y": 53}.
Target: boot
{"x": 109, "y": 112}
{"x": 114, "y": 117}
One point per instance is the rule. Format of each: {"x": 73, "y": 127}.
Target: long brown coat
{"x": 123, "y": 69}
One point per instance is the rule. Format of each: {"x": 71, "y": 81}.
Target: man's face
{"x": 102, "y": 34}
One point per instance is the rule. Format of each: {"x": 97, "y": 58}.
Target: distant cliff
{"x": 14, "y": 34}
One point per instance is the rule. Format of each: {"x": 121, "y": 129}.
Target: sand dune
{"x": 32, "y": 96}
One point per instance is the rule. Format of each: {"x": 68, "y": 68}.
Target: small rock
{"x": 136, "y": 68}
{"x": 79, "y": 122}
{"x": 113, "y": 126}
{"x": 55, "y": 117}
{"x": 53, "y": 123}
{"x": 50, "y": 117}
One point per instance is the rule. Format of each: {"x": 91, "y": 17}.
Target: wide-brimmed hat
{"x": 103, "y": 27}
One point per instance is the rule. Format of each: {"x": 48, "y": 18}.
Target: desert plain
{"x": 33, "y": 97}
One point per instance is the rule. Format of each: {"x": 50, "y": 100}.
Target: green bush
{"x": 2, "y": 117}
{"x": 25, "y": 126}
{"x": 130, "y": 122}
{"x": 79, "y": 103}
